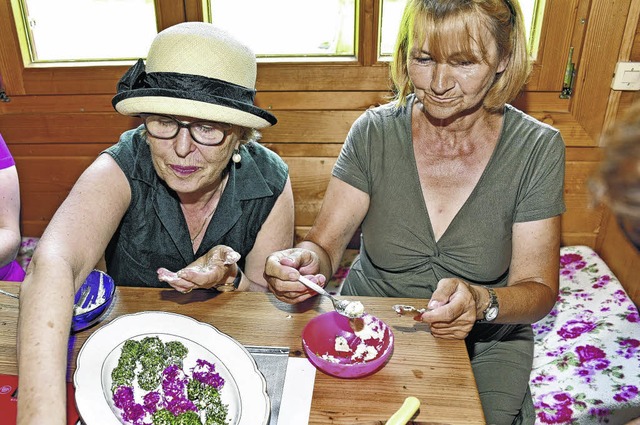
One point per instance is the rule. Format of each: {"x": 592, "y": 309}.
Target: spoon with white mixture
{"x": 350, "y": 309}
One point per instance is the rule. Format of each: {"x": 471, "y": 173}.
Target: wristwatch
{"x": 491, "y": 312}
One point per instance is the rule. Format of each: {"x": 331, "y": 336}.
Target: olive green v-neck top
{"x": 399, "y": 257}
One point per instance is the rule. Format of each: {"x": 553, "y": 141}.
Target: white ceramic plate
{"x": 244, "y": 391}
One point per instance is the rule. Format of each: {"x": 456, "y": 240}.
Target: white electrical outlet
{"x": 627, "y": 76}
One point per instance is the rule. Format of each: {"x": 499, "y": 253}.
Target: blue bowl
{"x": 97, "y": 293}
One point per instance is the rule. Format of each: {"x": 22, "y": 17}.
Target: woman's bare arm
{"x": 9, "y": 215}
{"x": 70, "y": 247}
{"x": 276, "y": 234}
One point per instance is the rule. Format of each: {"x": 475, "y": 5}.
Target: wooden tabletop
{"x": 436, "y": 371}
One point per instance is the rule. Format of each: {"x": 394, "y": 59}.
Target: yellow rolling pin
{"x": 405, "y": 412}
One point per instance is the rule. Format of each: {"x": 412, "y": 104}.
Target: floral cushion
{"x": 334, "y": 286}
{"x": 25, "y": 252}
{"x": 586, "y": 367}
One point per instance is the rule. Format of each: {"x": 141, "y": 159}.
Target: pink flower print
{"x": 592, "y": 359}
{"x": 541, "y": 327}
{"x": 628, "y": 348}
{"x": 585, "y": 373}
{"x": 626, "y": 393}
{"x": 633, "y": 317}
{"x": 555, "y": 407}
{"x": 562, "y": 415}
{"x": 602, "y": 281}
{"x": 570, "y": 263}
{"x": 572, "y": 259}
{"x": 620, "y": 296}
{"x": 341, "y": 273}
{"x": 574, "y": 328}
{"x": 557, "y": 353}
{"x": 543, "y": 379}
{"x": 587, "y": 353}
{"x": 600, "y": 412}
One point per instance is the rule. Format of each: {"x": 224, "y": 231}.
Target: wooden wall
{"x": 48, "y": 170}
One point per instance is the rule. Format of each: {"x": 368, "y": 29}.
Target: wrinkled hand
{"x": 453, "y": 313}
{"x": 282, "y": 270}
{"x": 211, "y": 270}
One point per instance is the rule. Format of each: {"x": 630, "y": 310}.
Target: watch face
{"x": 491, "y": 314}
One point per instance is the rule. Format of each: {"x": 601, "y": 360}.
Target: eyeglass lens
{"x": 203, "y": 132}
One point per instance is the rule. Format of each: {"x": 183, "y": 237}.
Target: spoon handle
{"x": 308, "y": 283}
{"x": 9, "y": 294}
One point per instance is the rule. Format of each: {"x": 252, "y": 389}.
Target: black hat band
{"x": 136, "y": 82}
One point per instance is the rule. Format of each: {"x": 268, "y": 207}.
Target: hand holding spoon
{"x": 350, "y": 309}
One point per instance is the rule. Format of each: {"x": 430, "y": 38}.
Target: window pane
{"x": 392, "y": 14}
{"x": 278, "y": 28}
{"x": 88, "y": 30}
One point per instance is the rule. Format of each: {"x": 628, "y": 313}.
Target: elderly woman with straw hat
{"x": 187, "y": 200}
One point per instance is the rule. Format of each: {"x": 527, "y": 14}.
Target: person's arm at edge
{"x": 9, "y": 215}
{"x": 71, "y": 245}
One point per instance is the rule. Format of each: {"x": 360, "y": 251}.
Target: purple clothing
{"x": 12, "y": 272}
{"x": 6, "y": 160}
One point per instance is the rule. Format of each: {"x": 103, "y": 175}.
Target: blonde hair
{"x": 617, "y": 180}
{"x": 452, "y": 26}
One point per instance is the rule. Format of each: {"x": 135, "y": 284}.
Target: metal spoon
{"x": 9, "y": 294}
{"x": 350, "y": 309}
{"x": 83, "y": 296}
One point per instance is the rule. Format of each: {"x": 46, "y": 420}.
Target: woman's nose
{"x": 184, "y": 144}
{"x": 441, "y": 80}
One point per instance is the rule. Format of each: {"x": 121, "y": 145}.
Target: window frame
{"x": 581, "y": 117}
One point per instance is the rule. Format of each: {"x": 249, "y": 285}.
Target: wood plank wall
{"x": 48, "y": 170}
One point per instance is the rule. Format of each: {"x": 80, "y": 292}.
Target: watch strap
{"x": 493, "y": 304}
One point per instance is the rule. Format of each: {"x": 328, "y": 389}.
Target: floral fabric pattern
{"x": 25, "y": 252}
{"x": 334, "y": 286}
{"x": 586, "y": 367}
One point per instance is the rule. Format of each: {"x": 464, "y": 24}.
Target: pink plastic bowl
{"x": 319, "y": 342}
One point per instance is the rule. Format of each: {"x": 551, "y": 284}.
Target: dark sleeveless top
{"x": 153, "y": 232}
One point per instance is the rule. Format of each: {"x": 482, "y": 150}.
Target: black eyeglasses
{"x": 206, "y": 133}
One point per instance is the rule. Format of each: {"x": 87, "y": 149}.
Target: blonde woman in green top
{"x": 458, "y": 195}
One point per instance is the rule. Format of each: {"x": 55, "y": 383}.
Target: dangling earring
{"x": 236, "y": 158}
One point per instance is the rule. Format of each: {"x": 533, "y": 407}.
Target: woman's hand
{"x": 216, "y": 268}
{"x": 283, "y": 268}
{"x": 453, "y": 309}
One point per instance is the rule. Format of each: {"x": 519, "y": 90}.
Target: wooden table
{"x": 437, "y": 372}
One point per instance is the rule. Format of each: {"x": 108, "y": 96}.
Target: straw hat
{"x": 194, "y": 69}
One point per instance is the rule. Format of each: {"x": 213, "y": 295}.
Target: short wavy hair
{"x": 616, "y": 183}
{"x": 452, "y": 25}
